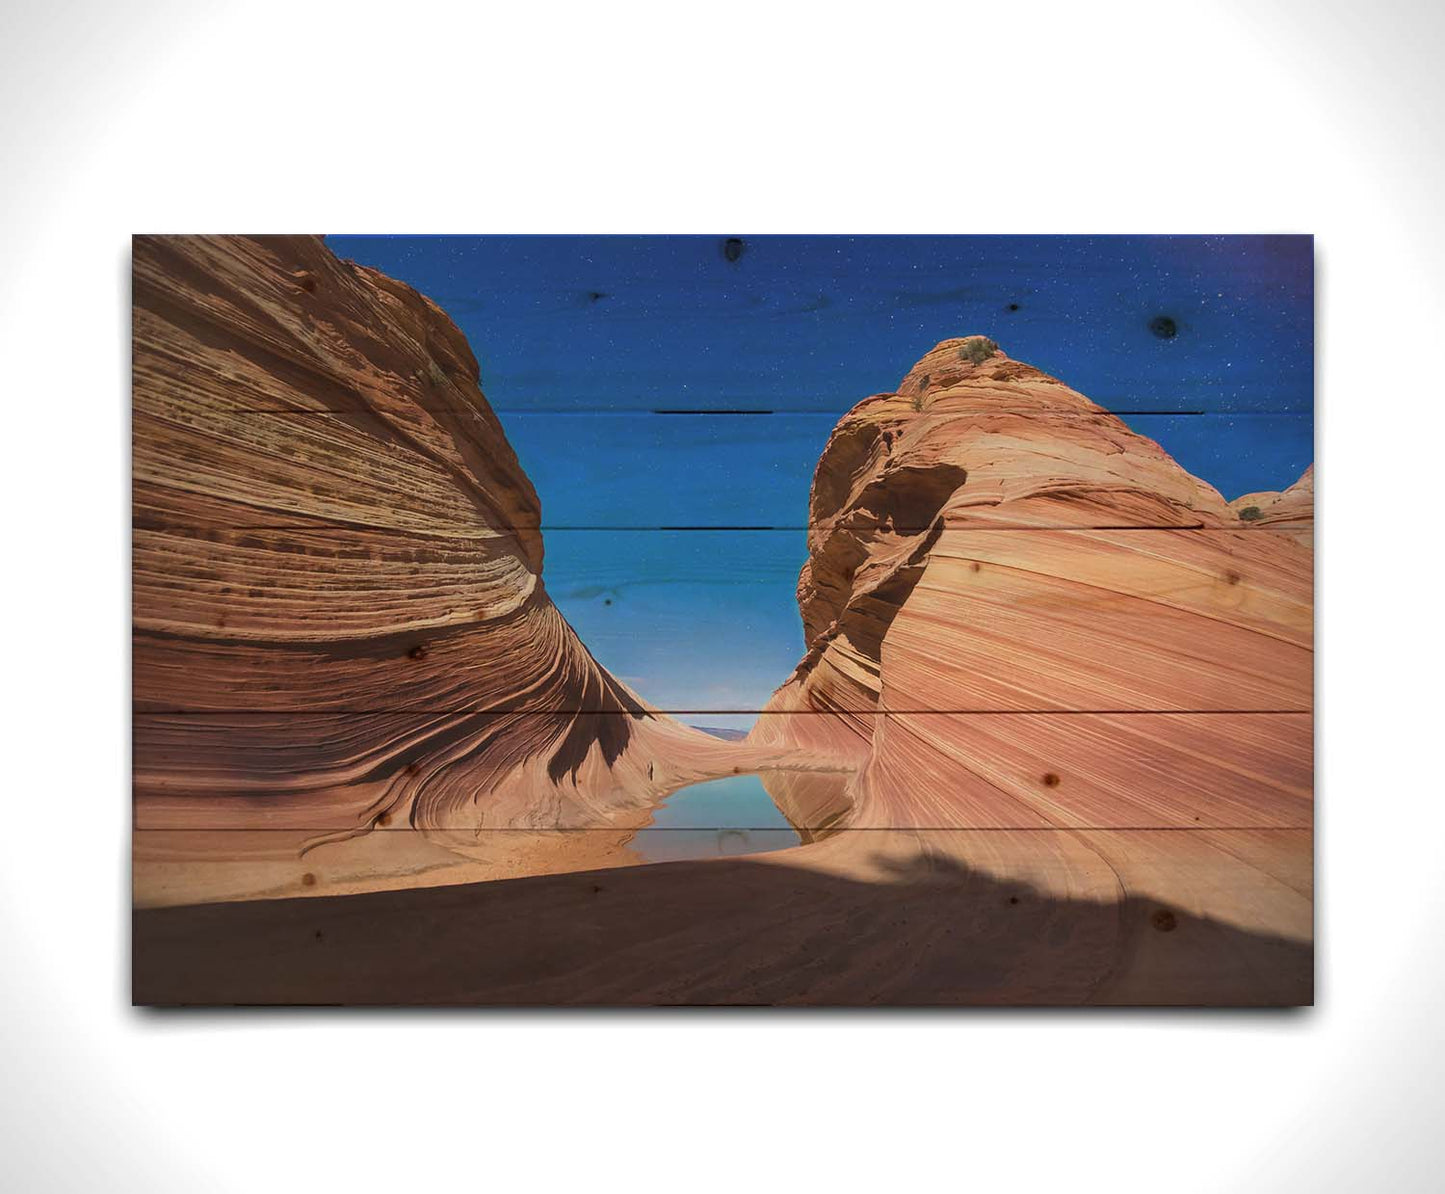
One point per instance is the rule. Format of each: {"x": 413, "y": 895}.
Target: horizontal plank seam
{"x": 836, "y": 413}
{"x": 470, "y": 712}
{"x": 748, "y": 829}
{"x": 548, "y": 528}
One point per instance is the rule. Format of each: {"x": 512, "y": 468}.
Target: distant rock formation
{"x": 1292, "y": 511}
{"x": 988, "y": 540}
{"x": 339, "y": 617}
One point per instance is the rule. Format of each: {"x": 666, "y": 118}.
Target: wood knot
{"x": 1164, "y": 921}
{"x": 308, "y": 880}
{"x": 1051, "y": 780}
{"x": 976, "y": 566}
{"x": 1233, "y": 577}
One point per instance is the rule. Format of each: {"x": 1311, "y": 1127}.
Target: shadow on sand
{"x": 930, "y": 931}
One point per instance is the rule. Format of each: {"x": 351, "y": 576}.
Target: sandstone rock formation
{"x": 339, "y": 616}
{"x": 1292, "y": 511}
{"x": 1037, "y": 650}
{"x": 1018, "y": 611}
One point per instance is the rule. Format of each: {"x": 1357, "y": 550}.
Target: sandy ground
{"x": 865, "y": 917}
{"x": 202, "y": 865}
{"x": 1058, "y": 915}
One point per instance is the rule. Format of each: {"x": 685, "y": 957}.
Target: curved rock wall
{"x": 339, "y": 614}
{"x": 987, "y": 540}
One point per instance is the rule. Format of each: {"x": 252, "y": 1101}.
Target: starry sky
{"x": 621, "y": 367}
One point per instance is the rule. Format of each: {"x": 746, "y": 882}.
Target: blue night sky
{"x": 598, "y": 353}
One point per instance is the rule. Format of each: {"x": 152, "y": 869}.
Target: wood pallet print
{"x": 723, "y": 620}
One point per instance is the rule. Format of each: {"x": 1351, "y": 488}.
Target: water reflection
{"x": 721, "y": 818}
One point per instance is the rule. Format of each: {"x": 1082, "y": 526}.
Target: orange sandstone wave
{"x": 990, "y": 550}
{"x": 340, "y": 622}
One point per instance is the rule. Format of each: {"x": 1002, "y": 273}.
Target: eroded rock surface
{"x": 1036, "y": 649}
{"x": 988, "y": 541}
{"x": 340, "y": 622}
{"x": 1291, "y": 511}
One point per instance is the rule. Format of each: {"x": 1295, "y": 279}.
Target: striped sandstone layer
{"x": 1020, "y": 613}
{"x": 340, "y": 622}
{"x": 984, "y": 540}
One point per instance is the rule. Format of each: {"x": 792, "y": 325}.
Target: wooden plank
{"x": 307, "y": 583}
{"x": 719, "y": 470}
{"x": 194, "y": 866}
{"x": 1090, "y": 771}
{"x": 271, "y": 323}
{"x": 1102, "y": 620}
{"x": 946, "y": 918}
{"x": 756, "y": 471}
{"x": 815, "y": 323}
{"x": 275, "y": 613}
{"x": 688, "y": 620}
{"x": 330, "y": 774}
{"x": 200, "y": 465}
{"x": 1048, "y": 738}
{"x": 326, "y": 776}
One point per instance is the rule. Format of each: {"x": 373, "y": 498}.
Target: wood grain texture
{"x": 385, "y": 622}
{"x": 1048, "y": 739}
{"x": 977, "y": 612}
{"x": 1086, "y": 771}
{"x": 888, "y": 917}
{"x": 811, "y": 322}
{"x": 280, "y": 806}
{"x": 1208, "y": 612}
{"x": 361, "y": 772}
{"x": 745, "y": 470}
{"x": 727, "y": 470}
{"x": 955, "y": 770}
{"x": 403, "y": 567}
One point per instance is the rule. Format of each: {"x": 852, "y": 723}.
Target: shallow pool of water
{"x": 719, "y": 818}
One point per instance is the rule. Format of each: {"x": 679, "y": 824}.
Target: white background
{"x": 1319, "y": 117}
